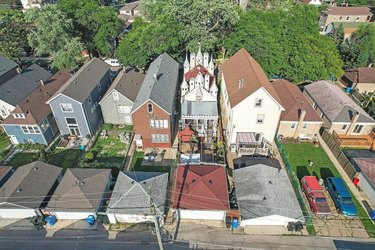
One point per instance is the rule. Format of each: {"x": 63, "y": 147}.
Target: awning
{"x": 186, "y": 134}
{"x": 246, "y": 138}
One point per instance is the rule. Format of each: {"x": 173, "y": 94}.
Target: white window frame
{"x": 149, "y": 105}
{"x": 18, "y": 115}
{"x": 30, "y": 129}
{"x": 344, "y": 127}
{"x": 67, "y": 105}
{"x": 293, "y": 126}
{"x": 115, "y": 95}
{"x": 321, "y": 115}
{"x": 259, "y": 120}
{"x": 73, "y": 124}
{"x": 305, "y": 126}
{"x": 123, "y": 109}
{"x": 159, "y": 138}
{"x": 258, "y": 103}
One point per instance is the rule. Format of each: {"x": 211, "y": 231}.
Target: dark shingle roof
{"x": 80, "y": 190}
{"x": 81, "y": 84}
{"x": 336, "y": 105}
{"x": 29, "y": 185}
{"x": 20, "y": 86}
{"x": 135, "y": 191}
{"x": 361, "y": 74}
{"x": 163, "y": 89}
{"x": 6, "y": 65}
{"x": 264, "y": 190}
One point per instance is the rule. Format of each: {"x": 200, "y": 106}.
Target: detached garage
{"x": 133, "y": 195}
{"x": 80, "y": 193}
{"x": 28, "y": 190}
{"x": 200, "y": 192}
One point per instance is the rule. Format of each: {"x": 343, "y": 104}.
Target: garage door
{"x": 72, "y": 215}
{"x": 130, "y": 218}
{"x": 17, "y": 213}
{"x": 272, "y": 220}
{"x": 201, "y": 215}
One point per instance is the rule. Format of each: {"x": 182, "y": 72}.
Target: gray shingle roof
{"x": 163, "y": 89}
{"x": 29, "y": 185}
{"x": 336, "y": 105}
{"x": 6, "y": 65}
{"x": 134, "y": 191}
{"x": 80, "y": 190}
{"x": 81, "y": 84}
{"x": 199, "y": 108}
{"x": 264, "y": 190}
{"x": 20, "y": 86}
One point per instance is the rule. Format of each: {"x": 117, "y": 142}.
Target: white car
{"x": 113, "y": 62}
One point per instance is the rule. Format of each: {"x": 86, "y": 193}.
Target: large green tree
{"x": 97, "y": 25}
{"x": 13, "y": 34}
{"x": 70, "y": 56}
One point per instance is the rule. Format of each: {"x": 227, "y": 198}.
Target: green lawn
{"x": 299, "y": 156}
{"x": 122, "y": 128}
{"x": 21, "y": 159}
{"x": 109, "y": 152}
{"x": 64, "y": 158}
{"x": 136, "y": 164}
{"x": 4, "y": 143}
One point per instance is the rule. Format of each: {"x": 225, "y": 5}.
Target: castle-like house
{"x": 199, "y": 95}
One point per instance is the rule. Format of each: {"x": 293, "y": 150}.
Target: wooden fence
{"x": 339, "y": 154}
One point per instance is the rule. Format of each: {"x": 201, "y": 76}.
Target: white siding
{"x": 128, "y": 218}
{"x": 367, "y": 188}
{"x": 6, "y": 107}
{"x": 72, "y": 215}
{"x": 272, "y": 220}
{"x": 17, "y": 213}
{"x": 201, "y": 214}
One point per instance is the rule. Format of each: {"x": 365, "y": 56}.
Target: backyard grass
{"x": 299, "y": 156}
{"x": 122, "y": 128}
{"x": 109, "y": 152}
{"x": 64, "y": 158}
{"x": 21, "y": 159}
{"x": 136, "y": 164}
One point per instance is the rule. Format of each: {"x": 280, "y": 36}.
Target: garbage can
{"x": 234, "y": 222}
{"x": 51, "y": 220}
{"x": 91, "y": 219}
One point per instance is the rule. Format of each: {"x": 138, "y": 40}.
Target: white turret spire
{"x": 192, "y": 60}
{"x": 211, "y": 66}
{"x": 199, "y": 58}
{"x": 186, "y": 64}
{"x": 214, "y": 89}
{"x": 206, "y": 58}
{"x": 184, "y": 87}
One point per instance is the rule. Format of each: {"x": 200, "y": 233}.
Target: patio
{"x": 355, "y": 141}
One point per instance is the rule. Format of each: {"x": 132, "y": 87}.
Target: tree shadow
{"x": 325, "y": 173}
{"x": 302, "y": 171}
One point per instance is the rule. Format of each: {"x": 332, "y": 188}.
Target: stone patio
{"x": 167, "y": 160}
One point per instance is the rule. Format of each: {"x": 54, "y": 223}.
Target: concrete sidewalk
{"x": 360, "y": 196}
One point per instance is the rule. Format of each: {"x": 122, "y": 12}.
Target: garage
{"x": 273, "y": 220}
{"x": 128, "y": 218}
{"x": 201, "y": 214}
{"x": 72, "y": 215}
{"x": 17, "y": 213}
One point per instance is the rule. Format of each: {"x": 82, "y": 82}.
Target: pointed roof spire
{"x": 186, "y": 59}
{"x": 199, "y": 94}
{"x": 199, "y": 56}
{"x": 184, "y": 84}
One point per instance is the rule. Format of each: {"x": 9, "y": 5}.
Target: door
{"x": 358, "y": 129}
{"x": 74, "y": 130}
{"x": 13, "y": 139}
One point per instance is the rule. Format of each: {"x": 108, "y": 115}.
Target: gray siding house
{"x": 118, "y": 102}
{"x": 76, "y": 105}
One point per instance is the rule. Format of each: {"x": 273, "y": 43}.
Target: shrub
{"x": 89, "y": 156}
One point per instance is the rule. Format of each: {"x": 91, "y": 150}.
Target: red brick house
{"x": 154, "y": 109}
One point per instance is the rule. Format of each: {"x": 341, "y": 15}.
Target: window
{"x": 159, "y": 138}
{"x": 66, "y": 107}
{"x": 344, "y": 126}
{"x": 321, "y": 115}
{"x": 258, "y": 103}
{"x": 368, "y": 17}
{"x": 30, "y": 129}
{"x": 31, "y": 141}
{"x": 18, "y": 115}
{"x": 340, "y": 18}
{"x": 293, "y": 126}
{"x": 124, "y": 109}
{"x": 358, "y": 129}
{"x": 71, "y": 121}
{"x": 357, "y": 18}
{"x": 149, "y": 108}
{"x": 347, "y": 18}
{"x": 90, "y": 99}
{"x": 115, "y": 95}
{"x": 260, "y": 119}
{"x": 3, "y": 112}
{"x": 158, "y": 123}
{"x": 99, "y": 86}
{"x": 304, "y": 126}
{"x": 44, "y": 125}
{"x": 315, "y": 106}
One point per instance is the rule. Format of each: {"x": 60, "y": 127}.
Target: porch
{"x": 205, "y": 127}
{"x": 355, "y": 141}
{"x": 251, "y": 144}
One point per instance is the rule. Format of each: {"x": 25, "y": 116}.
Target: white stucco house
{"x": 250, "y": 105}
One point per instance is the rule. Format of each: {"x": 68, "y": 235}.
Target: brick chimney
{"x": 301, "y": 118}
{"x": 352, "y": 124}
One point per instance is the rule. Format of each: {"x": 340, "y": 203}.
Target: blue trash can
{"x": 372, "y": 215}
{"x": 91, "y": 219}
{"x": 348, "y": 89}
{"x": 82, "y": 147}
{"x": 234, "y": 222}
{"x": 51, "y": 220}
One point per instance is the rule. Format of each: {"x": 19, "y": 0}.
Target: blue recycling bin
{"x": 51, "y": 220}
{"x": 348, "y": 89}
{"x": 372, "y": 215}
{"x": 82, "y": 147}
{"x": 234, "y": 222}
{"x": 91, "y": 219}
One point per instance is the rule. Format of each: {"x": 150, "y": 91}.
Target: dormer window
{"x": 150, "y": 108}
{"x": 19, "y": 116}
{"x": 258, "y": 103}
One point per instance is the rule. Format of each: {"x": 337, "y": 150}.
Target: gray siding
{"x": 8, "y": 75}
{"x": 110, "y": 110}
{"x": 77, "y": 113}
{"x": 16, "y": 130}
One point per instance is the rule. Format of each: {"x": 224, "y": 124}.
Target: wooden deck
{"x": 355, "y": 141}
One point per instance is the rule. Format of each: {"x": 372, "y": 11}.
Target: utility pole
{"x": 157, "y": 227}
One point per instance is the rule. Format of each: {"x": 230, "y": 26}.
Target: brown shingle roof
{"x": 242, "y": 67}
{"x": 361, "y": 74}
{"x": 34, "y": 106}
{"x": 352, "y": 11}
{"x": 293, "y": 101}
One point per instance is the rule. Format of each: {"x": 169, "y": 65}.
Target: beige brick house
{"x": 299, "y": 120}
{"x": 337, "y": 110}
{"x": 362, "y": 79}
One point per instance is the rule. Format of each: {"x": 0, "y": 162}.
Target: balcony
{"x": 355, "y": 141}
{"x": 253, "y": 151}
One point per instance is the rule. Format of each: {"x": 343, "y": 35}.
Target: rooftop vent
{"x": 210, "y": 181}
{"x": 144, "y": 183}
{"x": 270, "y": 182}
{"x": 19, "y": 190}
{"x": 36, "y": 168}
{"x": 264, "y": 198}
{"x": 82, "y": 183}
{"x": 193, "y": 181}
{"x": 75, "y": 183}
{"x": 132, "y": 182}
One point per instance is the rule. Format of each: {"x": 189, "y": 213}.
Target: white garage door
{"x": 201, "y": 215}
{"x": 17, "y": 213}
{"x": 72, "y": 215}
{"x": 132, "y": 218}
{"x": 272, "y": 220}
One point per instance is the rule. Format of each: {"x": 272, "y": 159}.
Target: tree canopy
{"x": 13, "y": 33}
{"x": 286, "y": 43}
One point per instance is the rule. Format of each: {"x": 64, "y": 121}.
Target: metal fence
{"x": 295, "y": 182}
{"x": 339, "y": 154}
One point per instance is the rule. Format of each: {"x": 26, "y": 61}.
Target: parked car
{"x": 315, "y": 195}
{"x": 341, "y": 196}
{"x": 113, "y": 62}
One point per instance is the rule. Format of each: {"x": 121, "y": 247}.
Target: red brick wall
{"x": 141, "y": 125}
